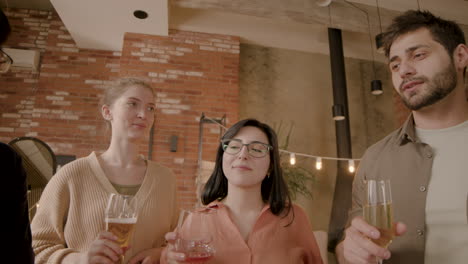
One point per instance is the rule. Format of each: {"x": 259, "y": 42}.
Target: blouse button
{"x": 420, "y": 232}
{"x": 422, "y": 188}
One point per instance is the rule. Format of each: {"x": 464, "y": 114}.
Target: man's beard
{"x": 442, "y": 84}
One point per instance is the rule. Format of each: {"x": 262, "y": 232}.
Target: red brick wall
{"x": 191, "y": 73}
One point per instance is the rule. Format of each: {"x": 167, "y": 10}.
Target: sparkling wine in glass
{"x": 121, "y": 217}
{"x": 193, "y": 235}
{"x": 378, "y": 210}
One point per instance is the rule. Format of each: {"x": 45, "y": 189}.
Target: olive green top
{"x": 126, "y": 189}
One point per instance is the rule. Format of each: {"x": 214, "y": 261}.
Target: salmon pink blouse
{"x": 273, "y": 239}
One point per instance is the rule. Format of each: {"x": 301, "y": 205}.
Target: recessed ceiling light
{"x": 140, "y": 14}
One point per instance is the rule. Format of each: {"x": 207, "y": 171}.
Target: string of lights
{"x": 318, "y": 159}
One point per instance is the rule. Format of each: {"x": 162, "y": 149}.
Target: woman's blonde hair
{"x": 114, "y": 92}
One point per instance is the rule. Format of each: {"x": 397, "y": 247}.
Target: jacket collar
{"x": 408, "y": 131}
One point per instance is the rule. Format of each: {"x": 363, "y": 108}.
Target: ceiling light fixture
{"x": 338, "y": 112}
{"x": 379, "y": 37}
{"x": 140, "y": 14}
{"x": 376, "y": 85}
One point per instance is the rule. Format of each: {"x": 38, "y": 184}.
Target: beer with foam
{"x": 122, "y": 228}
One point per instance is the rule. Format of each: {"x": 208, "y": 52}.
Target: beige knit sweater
{"x": 71, "y": 211}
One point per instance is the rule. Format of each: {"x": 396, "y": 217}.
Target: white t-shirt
{"x": 446, "y": 216}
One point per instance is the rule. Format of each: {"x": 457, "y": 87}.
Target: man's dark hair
{"x": 5, "y": 28}
{"x": 446, "y": 32}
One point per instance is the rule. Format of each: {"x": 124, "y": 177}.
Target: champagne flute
{"x": 121, "y": 217}
{"x": 193, "y": 236}
{"x": 378, "y": 210}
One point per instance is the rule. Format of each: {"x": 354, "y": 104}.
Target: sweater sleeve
{"x": 49, "y": 222}
{"x": 174, "y": 219}
{"x": 305, "y": 237}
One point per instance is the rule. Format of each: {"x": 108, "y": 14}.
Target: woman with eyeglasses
{"x": 255, "y": 221}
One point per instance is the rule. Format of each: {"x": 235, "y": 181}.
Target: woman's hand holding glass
{"x": 172, "y": 256}
{"x": 103, "y": 250}
{"x": 121, "y": 217}
{"x": 110, "y": 245}
{"x": 192, "y": 241}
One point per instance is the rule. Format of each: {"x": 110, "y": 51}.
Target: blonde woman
{"x": 69, "y": 225}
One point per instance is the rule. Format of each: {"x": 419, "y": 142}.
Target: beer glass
{"x": 378, "y": 210}
{"x": 193, "y": 235}
{"x": 121, "y": 217}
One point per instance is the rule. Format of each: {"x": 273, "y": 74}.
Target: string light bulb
{"x": 351, "y": 166}
{"x": 35, "y": 206}
{"x": 292, "y": 158}
{"x": 318, "y": 163}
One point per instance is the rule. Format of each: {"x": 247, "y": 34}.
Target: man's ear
{"x": 106, "y": 112}
{"x": 460, "y": 57}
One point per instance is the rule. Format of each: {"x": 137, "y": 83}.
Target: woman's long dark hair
{"x": 5, "y": 27}
{"x": 274, "y": 189}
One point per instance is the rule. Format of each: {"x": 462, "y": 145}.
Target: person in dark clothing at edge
{"x": 17, "y": 231}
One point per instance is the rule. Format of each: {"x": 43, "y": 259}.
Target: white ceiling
{"x": 295, "y": 24}
{"x": 101, "y": 24}
{"x": 450, "y": 9}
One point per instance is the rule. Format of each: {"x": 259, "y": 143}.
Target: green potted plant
{"x": 297, "y": 177}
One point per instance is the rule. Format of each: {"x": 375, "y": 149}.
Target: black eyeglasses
{"x": 5, "y": 61}
{"x": 255, "y": 149}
